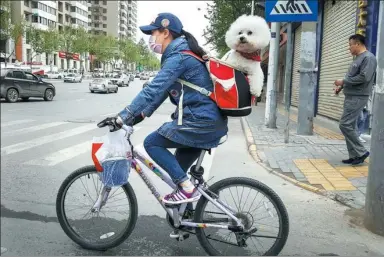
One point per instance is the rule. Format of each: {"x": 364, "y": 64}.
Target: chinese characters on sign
{"x": 362, "y": 17}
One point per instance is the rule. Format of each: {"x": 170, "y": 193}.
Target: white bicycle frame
{"x": 175, "y": 213}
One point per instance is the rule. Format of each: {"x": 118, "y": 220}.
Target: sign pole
{"x": 307, "y": 79}
{"x": 288, "y": 80}
{"x": 273, "y": 63}
{"x": 374, "y": 201}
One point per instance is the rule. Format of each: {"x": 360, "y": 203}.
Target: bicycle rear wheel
{"x": 86, "y": 178}
{"x": 249, "y": 243}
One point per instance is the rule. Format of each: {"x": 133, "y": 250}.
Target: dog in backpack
{"x": 246, "y": 37}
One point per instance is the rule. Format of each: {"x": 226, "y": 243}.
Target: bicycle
{"x": 183, "y": 221}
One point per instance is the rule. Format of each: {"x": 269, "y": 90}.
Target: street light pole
{"x": 253, "y": 7}
{"x": 374, "y": 201}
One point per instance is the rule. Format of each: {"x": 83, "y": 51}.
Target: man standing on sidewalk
{"x": 357, "y": 86}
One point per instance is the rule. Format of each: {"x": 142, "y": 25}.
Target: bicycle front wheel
{"x": 78, "y": 195}
{"x": 258, "y": 207}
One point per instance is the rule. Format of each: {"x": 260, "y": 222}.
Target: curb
{"x": 252, "y": 149}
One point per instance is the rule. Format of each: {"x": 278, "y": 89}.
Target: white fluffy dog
{"x": 246, "y": 37}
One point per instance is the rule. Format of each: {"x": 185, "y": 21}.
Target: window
{"x": 96, "y": 2}
{"x": 104, "y": 2}
{"x": 104, "y": 18}
{"x": 26, "y": 3}
{"x": 35, "y": 18}
{"x": 73, "y": 8}
{"x": 34, "y": 4}
{"x": 18, "y": 75}
{"x": 9, "y": 75}
{"x": 30, "y": 76}
{"x": 104, "y": 10}
{"x": 104, "y": 25}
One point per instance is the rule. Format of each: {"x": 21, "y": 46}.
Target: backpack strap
{"x": 189, "y": 52}
{"x": 197, "y": 88}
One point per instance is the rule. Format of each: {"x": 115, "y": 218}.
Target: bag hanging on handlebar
{"x": 111, "y": 155}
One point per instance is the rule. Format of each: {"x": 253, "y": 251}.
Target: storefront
{"x": 296, "y": 66}
{"x": 341, "y": 19}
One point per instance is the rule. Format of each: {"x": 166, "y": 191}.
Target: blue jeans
{"x": 361, "y": 122}
{"x": 176, "y": 165}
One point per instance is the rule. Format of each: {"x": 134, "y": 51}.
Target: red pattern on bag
{"x": 95, "y": 148}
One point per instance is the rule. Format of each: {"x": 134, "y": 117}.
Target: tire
{"x": 91, "y": 91}
{"x": 72, "y": 234}
{"x": 117, "y": 89}
{"x": 12, "y": 95}
{"x": 48, "y": 95}
{"x": 107, "y": 91}
{"x": 273, "y": 197}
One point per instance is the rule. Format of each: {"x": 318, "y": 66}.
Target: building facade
{"x": 337, "y": 21}
{"x": 46, "y": 14}
{"x": 115, "y": 18}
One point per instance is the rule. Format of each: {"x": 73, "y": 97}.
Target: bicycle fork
{"x": 101, "y": 199}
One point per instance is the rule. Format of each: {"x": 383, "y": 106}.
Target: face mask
{"x": 154, "y": 46}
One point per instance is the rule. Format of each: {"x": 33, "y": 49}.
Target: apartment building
{"x": 115, "y": 18}
{"x": 44, "y": 14}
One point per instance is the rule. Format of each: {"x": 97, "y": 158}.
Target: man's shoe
{"x": 349, "y": 161}
{"x": 360, "y": 160}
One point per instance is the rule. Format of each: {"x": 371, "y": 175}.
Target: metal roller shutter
{"x": 339, "y": 25}
{"x": 296, "y": 66}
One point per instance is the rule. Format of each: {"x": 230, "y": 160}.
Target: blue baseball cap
{"x": 166, "y": 21}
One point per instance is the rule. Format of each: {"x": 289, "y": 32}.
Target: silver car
{"x": 102, "y": 85}
{"x": 73, "y": 77}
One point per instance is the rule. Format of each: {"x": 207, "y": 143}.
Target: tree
{"x": 82, "y": 41}
{"x": 221, "y": 14}
{"x": 67, "y": 41}
{"x": 103, "y": 47}
{"x": 51, "y": 42}
{"x": 143, "y": 52}
{"x": 36, "y": 40}
{"x": 130, "y": 51}
{"x": 9, "y": 28}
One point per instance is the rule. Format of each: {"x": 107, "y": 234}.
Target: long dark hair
{"x": 192, "y": 42}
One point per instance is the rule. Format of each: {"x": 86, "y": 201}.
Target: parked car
{"x": 17, "y": 84}
{"x": 73, "y": 77}
{"x": 102, "y": 85}
{"x": 147, "y": 82}
{"x": 121, "y": 81}
{"x": 144, "y": 76}
{"x": 137, "y": 75}
{"x": 131, "y": 77}
{"x": 53, "y": 75}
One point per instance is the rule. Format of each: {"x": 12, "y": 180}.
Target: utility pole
{"x": 253, "y": 7}
{"x": 273, "y": 63}
{"x": 307, "y": 79}
{"x": 288, "y": 80}
{"x": 374, "y": 201}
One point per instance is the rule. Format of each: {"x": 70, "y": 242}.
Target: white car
{"x": 122, "y": 81}
{"x": 53, "y": 75}
{"x": 73, "y": 77}
{"x": 102, "y": 85}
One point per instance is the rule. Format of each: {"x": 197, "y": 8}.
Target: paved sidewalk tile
{"x": 315, "y": 160}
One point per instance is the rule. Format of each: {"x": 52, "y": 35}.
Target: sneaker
{"x": 360, "y": 160}
{"x": 179, "y": 196}
{"x": 362, "y": 140}
{"x": 348, "y": 161}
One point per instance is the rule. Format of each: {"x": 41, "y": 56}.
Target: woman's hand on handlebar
{"x": 114, "y": 123}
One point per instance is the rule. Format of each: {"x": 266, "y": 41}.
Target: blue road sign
{"x": 291, "y": 10}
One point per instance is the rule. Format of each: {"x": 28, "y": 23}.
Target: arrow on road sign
{"x": 284, "y": 7}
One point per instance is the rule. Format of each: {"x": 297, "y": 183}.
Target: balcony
{"x": 122, "y": 24}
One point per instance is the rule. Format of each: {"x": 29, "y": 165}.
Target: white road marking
{"x": 63, "y": 155}
{"x": 109, "y": 114}
{"x": 34, "y": 128}
{"x": 79, "y": 100}
{"x": 15, "y": 122}
{"x": 45, "y": 139}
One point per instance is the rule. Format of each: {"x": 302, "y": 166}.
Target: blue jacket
{"x": 202, "y": 123}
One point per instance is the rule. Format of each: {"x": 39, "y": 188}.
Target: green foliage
{"x": 36, "y": 40}
{"x": 221, "y": 14}
{"x": 9, "y": 28}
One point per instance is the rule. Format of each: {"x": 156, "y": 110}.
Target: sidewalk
{"x": 313, "y": 162}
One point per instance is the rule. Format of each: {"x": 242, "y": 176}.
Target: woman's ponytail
{"x": 193, "y": 44}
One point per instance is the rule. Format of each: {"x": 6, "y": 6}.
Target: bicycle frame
{"x": 174, "y": 212}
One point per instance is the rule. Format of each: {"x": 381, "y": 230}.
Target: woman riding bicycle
{"x": 197, "y": 125}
